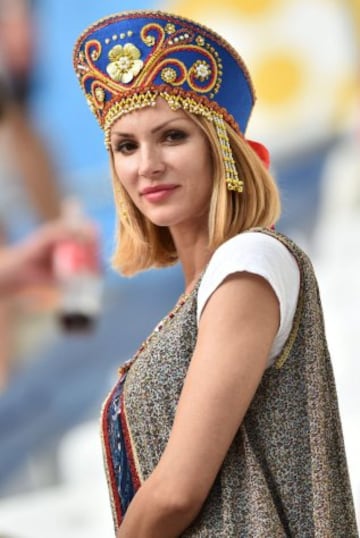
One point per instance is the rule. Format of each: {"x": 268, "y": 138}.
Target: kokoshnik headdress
{"x": 125, "y": 61}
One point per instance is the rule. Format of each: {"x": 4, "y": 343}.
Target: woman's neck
{"x": 194, "y": 255}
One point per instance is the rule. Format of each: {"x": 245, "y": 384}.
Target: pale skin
{"x": 154, "y": 147}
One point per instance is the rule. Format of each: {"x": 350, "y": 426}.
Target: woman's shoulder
{"x": 258, "y": 243}
{"x": 263, "y": 254}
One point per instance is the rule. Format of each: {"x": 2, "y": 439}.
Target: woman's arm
{"x": 236, "y": 331}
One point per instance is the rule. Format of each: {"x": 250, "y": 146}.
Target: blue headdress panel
{"x": 133, "y": 52}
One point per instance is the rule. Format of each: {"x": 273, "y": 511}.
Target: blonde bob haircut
{"x": 140, "y": 245}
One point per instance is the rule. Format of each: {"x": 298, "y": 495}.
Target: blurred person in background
{"x": 30, "y": 154}
{"x": 31, "y": 261}
{"x": 26, "y": 167}
{"x": 225, "y": 422}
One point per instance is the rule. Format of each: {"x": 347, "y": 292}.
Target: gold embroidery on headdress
{"x": 202, "y": 70}
{"x": 170, "y": 28}
{"x": 99, "y": 94}
{"x": 124, "y": 106}
{"x": 168, "y": 74}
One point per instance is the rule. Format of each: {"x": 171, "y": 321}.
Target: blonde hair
{"x": 140, "y": 245}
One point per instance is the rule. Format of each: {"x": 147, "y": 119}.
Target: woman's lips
{"x": 158, "y": 192}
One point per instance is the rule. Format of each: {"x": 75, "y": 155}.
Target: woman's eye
{"x": 125, "y": 147}
{"x": 175, "y": 136}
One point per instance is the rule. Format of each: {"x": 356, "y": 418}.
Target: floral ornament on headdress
{"x": 126, "y": 61}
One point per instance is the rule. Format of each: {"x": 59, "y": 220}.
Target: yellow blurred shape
{"x": 250, "y": 7}
{"x": 279, "y": 78}
{"x": 200, "y": 10}
{"x": 347, "y": 99}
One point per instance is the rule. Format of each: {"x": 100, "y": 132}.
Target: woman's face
{"x": 163, "y": 161}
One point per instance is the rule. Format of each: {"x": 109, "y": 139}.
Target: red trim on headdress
{"x": 262, "y": 152}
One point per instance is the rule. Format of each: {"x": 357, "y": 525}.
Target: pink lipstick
{"x": 158, "y": 193}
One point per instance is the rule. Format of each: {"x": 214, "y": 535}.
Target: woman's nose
{"x": 151, "y": 161}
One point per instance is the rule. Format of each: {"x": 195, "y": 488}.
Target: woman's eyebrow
{"x": 153, "y": 130}
{"x": 122, "y": 135}
{"x": 165, "y": 123}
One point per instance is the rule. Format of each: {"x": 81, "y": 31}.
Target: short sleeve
{"x": 263, "y": 255}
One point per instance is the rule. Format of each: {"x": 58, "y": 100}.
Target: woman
{"x": 225, "y": 422}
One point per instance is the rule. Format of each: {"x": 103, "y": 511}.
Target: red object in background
{"x": 77, "y": 268}
{"x": 261, "y": 151}
{"x": 71, "y": 257}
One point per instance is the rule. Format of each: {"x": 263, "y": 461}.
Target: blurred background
{"x": 304, "y": 58}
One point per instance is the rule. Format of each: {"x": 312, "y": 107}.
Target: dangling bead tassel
{"x": 121, "y": 209}
{"x": 231, "y": 175}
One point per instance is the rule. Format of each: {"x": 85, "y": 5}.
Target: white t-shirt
{"x": 262, "y": 255}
